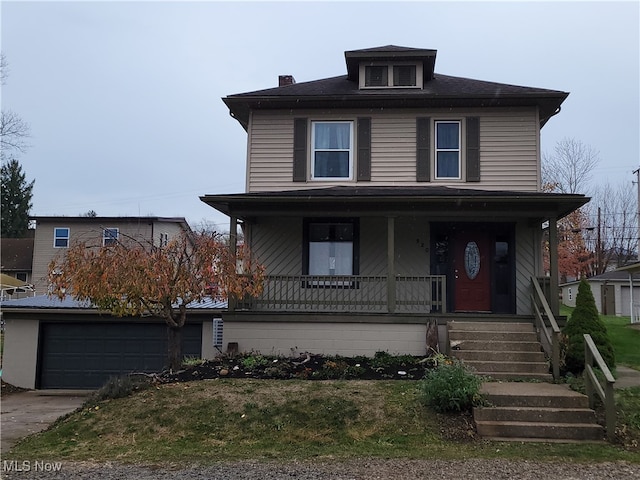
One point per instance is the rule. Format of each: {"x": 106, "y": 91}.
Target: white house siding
{"x": 20, "y": 355}
{"x": 509, "y": 148}
{"x": 346, "y": 339}
{"x": 623, "y": 307}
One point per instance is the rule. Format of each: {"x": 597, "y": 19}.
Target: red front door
{"x": 472, "y": 271}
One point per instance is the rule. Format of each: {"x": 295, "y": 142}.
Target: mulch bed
{"x": 382, "y": 366}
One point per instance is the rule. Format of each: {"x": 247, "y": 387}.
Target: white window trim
{"x": 67, "y": 238}
{"x": 436, "y": 149}
{"x": 164, "y": 239}
{"x": 390, "y": 66}
{"x": 313, "y": 150}
{"x": 218, "y": 332}
{"x": 105, "y": 238}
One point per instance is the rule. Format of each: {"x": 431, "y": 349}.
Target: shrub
{"x": 450, "y": 387}
{"x": 119, "y": 387}
{"x": 586, "y": 319}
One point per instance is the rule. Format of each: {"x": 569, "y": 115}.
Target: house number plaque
{"x": 472, "y": 260}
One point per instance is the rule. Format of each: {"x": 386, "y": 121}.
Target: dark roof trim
{"x": 441, "y": 92}
{"x": 387, "y": 200}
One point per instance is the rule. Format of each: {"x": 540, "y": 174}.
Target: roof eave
{"x": 240, "y": 107}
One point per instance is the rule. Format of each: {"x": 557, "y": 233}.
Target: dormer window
{"x": 376, "y": 76}
{"x": 391, "y": 76}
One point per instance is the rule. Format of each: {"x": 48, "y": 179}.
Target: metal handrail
{"x": 552, "y": 344}
{"x": 592, "y": 384}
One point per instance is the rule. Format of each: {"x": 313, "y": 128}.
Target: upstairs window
{"x": 61, "y": 237}
{"x": 404, "y": 75}
{"x": 447, "y": 150}
{"x": 390, "y": 76}
{"x": 332, "y": 150}
{"x": 110, "y": 236}
{"x": 376, "y": 76}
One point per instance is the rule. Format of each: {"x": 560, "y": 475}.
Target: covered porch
{"x": 388, "y": 277}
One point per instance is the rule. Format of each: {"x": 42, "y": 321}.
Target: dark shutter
{"x": 473, "y": 149}
{"x": 364, "y": 149}
{"x": 300, "y": 150}
{"x": 423, "y": 153}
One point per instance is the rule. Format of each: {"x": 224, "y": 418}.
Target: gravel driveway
{"x": 359, "y": 469}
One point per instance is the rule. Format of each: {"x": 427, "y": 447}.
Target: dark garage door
{"x": 85, "y": 355}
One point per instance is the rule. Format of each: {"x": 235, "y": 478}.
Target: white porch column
{"x": 391, "y": 265}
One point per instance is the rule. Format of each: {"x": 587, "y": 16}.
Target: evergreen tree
{"x": 586, "y": 319}
{"x": 16, "y": 199}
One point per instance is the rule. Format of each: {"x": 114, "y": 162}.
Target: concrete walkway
{"x": 29, "y": 412}
{"x": 627, "y": 377}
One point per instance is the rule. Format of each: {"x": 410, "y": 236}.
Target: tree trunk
{"x": 174, "y": 341}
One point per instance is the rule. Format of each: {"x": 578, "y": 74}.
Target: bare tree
{"x": 13, "y": 130}
{"x": 613, "y": 213}
{"x": 4, "y": 68}
{"x": 569, "y": 168}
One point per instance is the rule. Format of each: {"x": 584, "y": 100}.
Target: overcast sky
{"x": 124, "y": 99}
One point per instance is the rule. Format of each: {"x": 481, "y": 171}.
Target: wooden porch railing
{"x": 349, "y": 293}
{"x": 542, "y": 314}
{"x": 605, "y": 389}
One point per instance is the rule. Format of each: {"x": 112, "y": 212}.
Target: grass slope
{"x": 215, "y": 420}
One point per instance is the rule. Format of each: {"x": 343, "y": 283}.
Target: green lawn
{"x": 210, "y": 421}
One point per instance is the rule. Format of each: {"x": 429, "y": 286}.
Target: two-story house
{"x": 51, "y": 343}
{"x": 387, "y": 198}
{"x": 53, "y": 235}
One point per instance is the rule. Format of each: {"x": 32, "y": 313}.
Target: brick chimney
{"x": 286, "y": 80}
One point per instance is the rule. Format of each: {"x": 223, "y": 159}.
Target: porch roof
{"x": 435, "y": 201}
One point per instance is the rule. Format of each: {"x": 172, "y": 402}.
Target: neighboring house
{"x": 387, "y": 198}
{"x": 611, "y": 291}
{"x": 16, "y": 262}
{"x": 53, "y": 235}
{"x": 51, "y": 343}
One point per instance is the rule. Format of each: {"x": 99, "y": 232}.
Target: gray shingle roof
{"x": 46, "y": 302}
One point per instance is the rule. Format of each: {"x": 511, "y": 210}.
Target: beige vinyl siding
{"x": 89, "y": 231}
{"x": 277, "y": 244}
{"x": 347, "y": 339}
{"x": 509, "y": 148}
{"x": 527, "y": 252}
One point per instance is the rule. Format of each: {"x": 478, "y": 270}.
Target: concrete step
{"x": 523, "y": 394}
{"x": 515, "y": 376}
{"x": 534, "y": 414}
{"x": 542, "y": 431}
{"x": 491, "y": 326}
{"x": 499, "y": 356}
{"x": 507, "y": 366}
{"x": 492, "y": 336}
{"x": 476, "y": 345}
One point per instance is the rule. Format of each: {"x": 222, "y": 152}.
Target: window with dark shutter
{"x": 300, "y": 150}
{"x": 473, "y": 149}
{"x": 423, "y": 158}
{"x": 364, "y": 149}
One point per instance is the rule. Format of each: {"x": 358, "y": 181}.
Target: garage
{"x": 84, "y": 355}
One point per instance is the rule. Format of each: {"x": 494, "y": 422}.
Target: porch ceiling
{"x": 434, "y": 201}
